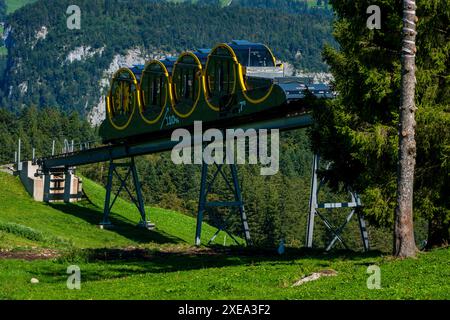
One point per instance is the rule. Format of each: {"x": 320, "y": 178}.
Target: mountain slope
{"x": 13, "y": 5}
{"x": 50, "y": 65}
{"x": 292, "y": 6}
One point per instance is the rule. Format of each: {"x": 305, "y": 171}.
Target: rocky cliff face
{"x": 134, "y": 56}
{"x": 82, "y": 53}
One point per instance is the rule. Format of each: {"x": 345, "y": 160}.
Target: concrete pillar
{"x": 67, "y": 186}
{"x": 47, "y": 182}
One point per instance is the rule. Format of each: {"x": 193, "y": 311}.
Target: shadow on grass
{"x": 121, "y": 225}
{"x": 103, "y": 264}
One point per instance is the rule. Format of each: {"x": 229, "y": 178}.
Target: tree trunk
{"x": 404, "y": 243}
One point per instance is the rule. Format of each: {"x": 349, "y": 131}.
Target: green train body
{"x": 231, "y": 84}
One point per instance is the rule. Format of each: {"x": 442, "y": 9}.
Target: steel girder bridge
{"x": 111, "y": 153}
{"x": 238, "y": 85}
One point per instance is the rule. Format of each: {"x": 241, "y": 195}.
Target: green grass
{"x": 162, "y": 264}
{"x": 178, "y": 276}
{"x": 9, "y": 240}
{"x": 13, "y": 5}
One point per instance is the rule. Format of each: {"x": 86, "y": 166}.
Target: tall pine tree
{"x": 358, "y": 131}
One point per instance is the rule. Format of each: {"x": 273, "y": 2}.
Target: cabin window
{"x": 153, "y": 93}
{"x": 255, "y": 57}
{"x": 220, "y": 77}
{"x": 186, "y": 84}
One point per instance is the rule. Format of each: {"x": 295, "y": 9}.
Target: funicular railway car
{"x": 238, "y": 82}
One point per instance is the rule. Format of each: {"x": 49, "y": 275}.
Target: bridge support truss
{"x": 204, "y": 204}
{"x": 314, "y": 206}
{"x": 136, "y": 199}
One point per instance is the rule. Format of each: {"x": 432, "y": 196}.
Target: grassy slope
{"x": 181, "y": 274}
{"x": 171, "y": 223}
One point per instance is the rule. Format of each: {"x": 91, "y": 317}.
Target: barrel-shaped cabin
{"x": 155, "y": 89}
{"x": 257, "y": 69}
{"x": 232, "y": 83}
{"x": 187, "y": 78}
{"x": 239, "y": 66}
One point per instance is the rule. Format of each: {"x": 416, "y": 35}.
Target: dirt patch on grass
{"x": 315, "y": 276}
{"x": 109, "y": 254}
{"x": 189, "y": 250}
{"x": 29, "y": 254}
